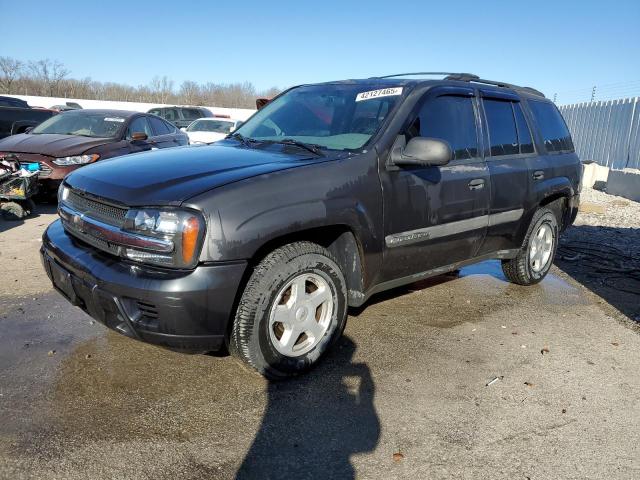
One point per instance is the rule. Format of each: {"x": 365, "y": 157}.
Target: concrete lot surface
{"x": 404, "y": 395}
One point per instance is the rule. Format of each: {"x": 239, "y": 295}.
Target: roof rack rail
{"x": 426, "y": 73}
{"x": 467, "y": 77}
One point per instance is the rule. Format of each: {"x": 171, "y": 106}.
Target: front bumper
{"x": 187, "y": 311}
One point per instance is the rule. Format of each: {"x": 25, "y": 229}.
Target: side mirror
{"x": 238, "y": 125}
{"x": 183, "y": 129}
{"x": 138, "y": 136}
{"x": 28, "y": 129}
{"x": 423, "y": 151}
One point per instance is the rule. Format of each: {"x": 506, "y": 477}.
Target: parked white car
{"x": 207, "y": 130}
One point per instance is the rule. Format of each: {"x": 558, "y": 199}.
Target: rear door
{"x": 164, "y": 133}
{"x": 509, "y": 146}
{"x": 557, "y": 169}
{"x": 437, "y": 216}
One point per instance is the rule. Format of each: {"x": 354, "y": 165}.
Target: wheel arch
{"x": 340, "y": 240}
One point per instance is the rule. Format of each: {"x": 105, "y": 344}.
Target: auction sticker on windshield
{"x": 383, "y": 92}
{"x": 114, "y": 119}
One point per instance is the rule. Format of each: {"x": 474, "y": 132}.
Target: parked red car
{"x": 75, "y": 138}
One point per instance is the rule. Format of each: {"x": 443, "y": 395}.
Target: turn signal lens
{"x": 190, "y": 239}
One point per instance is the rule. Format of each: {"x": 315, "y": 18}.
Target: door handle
{"x": 476, "y": 184}
{"x": 538, "y": 175}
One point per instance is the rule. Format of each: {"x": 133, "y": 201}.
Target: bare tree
{"x": 161, "y": 88}
{"x": 50, "y": 73}
{"x": 190, "y": 93}
{"x": 10, "y": 69}
{"x": 49, "y": 78}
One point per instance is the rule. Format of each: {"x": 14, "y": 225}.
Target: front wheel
{"x": 534, "y": 260}
{"x": 292, "y": 310}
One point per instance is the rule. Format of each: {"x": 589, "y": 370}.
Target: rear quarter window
{"x": 553, "y": 129}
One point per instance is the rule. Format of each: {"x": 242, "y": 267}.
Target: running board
{"x": 398, "y": 282}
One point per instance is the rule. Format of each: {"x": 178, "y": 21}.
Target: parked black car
{"x": 327, "y": 195}
{"x": 181, "y": 116}
{"x": 76, "y": 138}
{"x": 16, "y": 116}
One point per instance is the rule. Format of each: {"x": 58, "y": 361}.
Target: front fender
{"x": 244, "y": 216}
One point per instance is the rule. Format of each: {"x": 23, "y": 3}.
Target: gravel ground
{"x": 602, "y": 250}
{"x": 462, "y": 376}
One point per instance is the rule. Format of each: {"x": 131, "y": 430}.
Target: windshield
{"x": 339, "y": 117}
{"x": 99, "y": 125}
{"x": 217, "y": 126}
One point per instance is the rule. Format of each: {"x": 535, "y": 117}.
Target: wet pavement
{"x": 404, "y": 394}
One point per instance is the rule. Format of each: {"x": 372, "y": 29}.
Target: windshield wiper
{"x": 241, "y": 138}
{"x": 311, "y": 147}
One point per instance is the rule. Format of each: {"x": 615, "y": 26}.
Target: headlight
{"x": 63, "y": 193}
{"x": 185, "y": 229}
{"x": 76, "y": 160}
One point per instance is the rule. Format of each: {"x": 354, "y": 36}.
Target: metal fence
{"x": 606, "y": 132}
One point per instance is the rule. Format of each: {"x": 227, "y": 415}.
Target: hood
{"x": 50, "y": 144}
{"x": 171, "y": 176}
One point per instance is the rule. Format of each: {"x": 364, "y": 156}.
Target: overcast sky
{"x": 556, "y": 46}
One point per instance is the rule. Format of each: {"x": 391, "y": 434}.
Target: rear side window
{"x": 171, "y": 114}
{"x": 554, "y": 131}
{"x": 159, "y": 126}
{"x": 503, "y": 136}
{"x": 524, "y": 134}
{"x": 192, "y": 113}
{"x": 452, "y": 119}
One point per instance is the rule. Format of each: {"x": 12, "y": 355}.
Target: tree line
{"x": 50, "y": 78}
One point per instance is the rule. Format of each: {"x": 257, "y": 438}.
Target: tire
{"x": 12, "y": 211}
{"x": 536, "y": 256}
{"x": 280, "y": 349}
{"x": 30, "y": 206}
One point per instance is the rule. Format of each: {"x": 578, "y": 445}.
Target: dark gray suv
{"x": 327, "y": 195}
{"x": 181, "y": 117}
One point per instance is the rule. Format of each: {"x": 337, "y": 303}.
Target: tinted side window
{"x": 140, "y": 124}
{"x": 159, "y": 126}
{"x": 554, "y": 131}
{"x": 170, "y": 126}
{"x": 192, "y": 113}
{"x": 171, "y": 114}
{"x": 503, "y": 136}
{"x": 524, "y": 134}
{"x": 452, "y": 119}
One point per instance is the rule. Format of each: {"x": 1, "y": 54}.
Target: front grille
{"x": 91, "y": 240}
{"x": 45, "y": 170}
{"x": 95, "y": 209}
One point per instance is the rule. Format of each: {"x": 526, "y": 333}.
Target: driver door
{"x": 436, "y": 216}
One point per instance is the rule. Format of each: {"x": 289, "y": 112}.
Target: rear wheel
{"x": 534, "y": 260}
{"x": 292, "y": 310}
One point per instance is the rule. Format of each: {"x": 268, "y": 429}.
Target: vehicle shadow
{"x": 313, "y": 424}
{"x": 606, "y": 260}
{"x": 41, "y": 209}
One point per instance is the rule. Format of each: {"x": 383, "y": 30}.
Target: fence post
{"x": 593, "y": 93}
